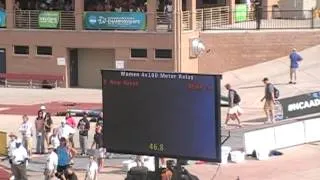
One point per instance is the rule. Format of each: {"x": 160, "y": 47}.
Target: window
{"x": 139, "y": 53}
{"x": 164, "y": 53}
{"x": 44, "y": 50}
{"x": 21, "y": 50}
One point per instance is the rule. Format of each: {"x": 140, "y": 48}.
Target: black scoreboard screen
{"x": 174, "y": 115}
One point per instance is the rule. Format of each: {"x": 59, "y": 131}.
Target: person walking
{"x": 19, "y": 161}
{"x": 83, "y": 127}
{"x": 295, "y": 58}
{"x": 63, "y": 156}
{"x": 269, "y": 100}
{"x": 234, "y": 110}
{"x": 26, "y": 131}
{"x": 11, "y": 147}
{"x": 40, "y": 133}
{"x": 52, "y": 164}
{"x": 92, "y": 170}
{"x": 100, "y": 150}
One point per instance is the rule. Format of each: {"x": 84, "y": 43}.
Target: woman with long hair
{"x": 39, "y": 124}
{"x": 48, "y": 123}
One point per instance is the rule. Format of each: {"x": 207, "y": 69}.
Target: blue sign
{"x": 3, "y": 18}
{"x": 115, "y": 20}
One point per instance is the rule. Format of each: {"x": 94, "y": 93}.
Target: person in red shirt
{"x": 72, "y": 123}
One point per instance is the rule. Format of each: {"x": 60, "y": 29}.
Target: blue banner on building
{"x": 3, "y": 18}
{"x": 115, "y": 20}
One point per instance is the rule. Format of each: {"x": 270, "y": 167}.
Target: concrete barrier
{"x": 282, "y": 136}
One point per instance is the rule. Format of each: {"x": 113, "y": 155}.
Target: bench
{"x": 30, "y": 80}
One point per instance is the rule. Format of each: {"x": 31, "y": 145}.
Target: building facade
{"x": 78, "y": 44}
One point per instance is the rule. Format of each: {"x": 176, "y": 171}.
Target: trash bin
{"x": 276, "y": 12}
{"x": 225, "y": 151}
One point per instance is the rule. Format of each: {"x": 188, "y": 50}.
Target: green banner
{"x": 241, "y": 12}
{"x": 49, "y": 19}
{"x": 115, "y": 20}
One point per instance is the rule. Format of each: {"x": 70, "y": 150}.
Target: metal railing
{"x": 164, "y": 21}
{"x": 29, "y": 19}
{"x": 186, "y": 20}
{"x": 209, "y": 18}
{"x": 224, "y": 19}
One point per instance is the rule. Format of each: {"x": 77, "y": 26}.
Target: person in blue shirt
{"x": 63, "y": 156}
{"x": 295, "y": 58}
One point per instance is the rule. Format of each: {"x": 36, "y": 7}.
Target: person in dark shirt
{"x": 48, "y": 122}
{"x": 83, "y": 127}
{"x": 100, "y": 150}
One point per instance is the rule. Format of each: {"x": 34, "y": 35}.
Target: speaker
{"x": 137, "y": 173}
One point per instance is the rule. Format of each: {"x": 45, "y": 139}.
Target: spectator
{"x": 39, "y": 125}
{"x": 48, "y": 123}
{"x": 168, "y": 8}
{"x": 70, "y": 175}
{"x": 54, "y": 140}
{"x": 26, "y": 131}
{"x": 72, "y": 123}
{"x": 100, "y": 120}
{"x": 100, "y": 150}
{"x": 51, "y": 165}
{"x": 44, "y": 110}
{"x": 295, "y": 58}
{"x": 11, "y": 147}
{"x": 269, "y": 100}
{"x": 92, "y": 170}
{"x": 64, "y": 156}
{"x": 19, "y": 161}
{"x": 64, "y": 130}
{"x": 83, "y": 127}
{"x": 234, "y": 110}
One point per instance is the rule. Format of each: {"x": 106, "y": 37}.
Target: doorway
{"x": 3, "y": 64}
{"x": 73, "y": 67}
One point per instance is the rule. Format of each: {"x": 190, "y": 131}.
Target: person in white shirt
{"x": 54, "y": 139}
{"x": 92, "y": 170}
{"x": 26, "y": 131}
{"x": 19, "y": 161}
{"x": 51, "y": 165}
{"x": 65, "y": 130}
{"x": 11, "y": 147}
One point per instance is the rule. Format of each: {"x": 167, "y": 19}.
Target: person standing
{"x": 83, "y": 127}
{"x": 11, "y": 147}
{"x": 100, "y": 120}
{"x": 295, "y": 58}
{"x": 26, "y": 131}
{"x": 92, "y": 170}
{"x": 100, "y": 150}
{"x": 19, "y": 161}
{"x": 269, "y": 100}
{"x": 64, "y": 130}
{"x": 48, "y": 123}
{"x": 72, "y": 123}
{"x": 39, "y": 125}
{"x": 52, "y": 164}
{"x": 54, "y": 140}
{"x": 234, "y": 111}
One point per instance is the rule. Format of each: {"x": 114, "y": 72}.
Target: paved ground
{"x": 297, "y": 163}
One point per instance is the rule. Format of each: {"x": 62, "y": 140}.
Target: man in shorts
{"x": 234, "y": 110}
{"x": 269, "y": 100}
{"x": 295, "y": 58}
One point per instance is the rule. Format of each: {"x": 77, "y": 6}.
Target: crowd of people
{"x": 59, "y": 5}
{"x": 58, "y": 143}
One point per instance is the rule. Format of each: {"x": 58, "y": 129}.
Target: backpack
{"x": 236, "y": 98}
{"x": 276, "y": 92}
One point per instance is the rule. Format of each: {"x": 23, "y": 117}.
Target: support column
{"x": 192, "y": 8}
{"x": 152, "y": 15}
{"x": 78, "y": 12}
{"x": 177, "y": 11}
{"x": 232, "y": 7}
{"x": 10, "y": 13}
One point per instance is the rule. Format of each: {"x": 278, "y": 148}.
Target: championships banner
{"x": 3, "y": 19}
{"x": 296, "y": 106}
{"x": 115, "y": 20}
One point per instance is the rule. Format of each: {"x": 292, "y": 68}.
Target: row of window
{"x": 41, "y": 50}
{"x": 159, "y": 53}
{"x": 135, "y": 53}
